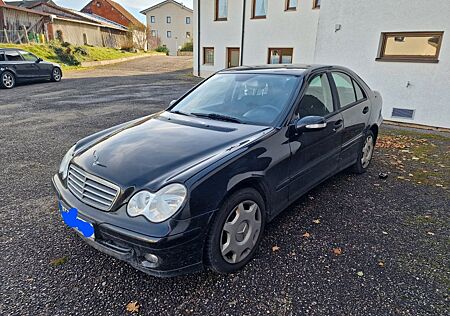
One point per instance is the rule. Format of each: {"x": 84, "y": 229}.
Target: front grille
{"x": 91, "y": 190}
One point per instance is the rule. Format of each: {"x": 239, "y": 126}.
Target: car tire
{"x": 365, "y": 153}
{"x": 7, "y": 80}
{"x": 56, "y": 74}
{"x": 236, "y": 231}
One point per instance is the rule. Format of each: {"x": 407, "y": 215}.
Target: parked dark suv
{"x": 194, "y": 185}
{"x": 18, "y": 66}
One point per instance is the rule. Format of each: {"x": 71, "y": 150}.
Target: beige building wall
{"x": 75, "y": 33}
{"x": 178, "y": 26}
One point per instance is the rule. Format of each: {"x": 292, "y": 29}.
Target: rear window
{"x": 13, "y": 56}
{"x": 348, "y": 89}
{"x": 2, "y": 57}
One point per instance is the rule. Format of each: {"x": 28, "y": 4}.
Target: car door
{"x": 16, "y": 63}
{"x": 315, "y": 154}
{"x": 355, "y": 108}
{"x": 33, "y": 68}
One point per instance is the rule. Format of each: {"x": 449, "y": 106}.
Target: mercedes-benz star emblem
{"x": 96, "y": 160}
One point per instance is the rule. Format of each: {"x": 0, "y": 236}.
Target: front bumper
{"x": 178, "y": 253}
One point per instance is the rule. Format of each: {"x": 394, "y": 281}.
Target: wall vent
{"x": 403, "y": 113}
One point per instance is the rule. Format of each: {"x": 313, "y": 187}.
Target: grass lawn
{"x": 48, "y": 53}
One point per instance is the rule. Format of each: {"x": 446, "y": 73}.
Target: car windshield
{"x": 256, "y": 98}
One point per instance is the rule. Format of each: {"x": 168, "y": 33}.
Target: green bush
{"x": 187, "y": 47}
{"x": 81, "y": 51}
{"x": 162, "y": 49}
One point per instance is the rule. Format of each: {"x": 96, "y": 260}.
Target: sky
{"x": 134, "y": 6}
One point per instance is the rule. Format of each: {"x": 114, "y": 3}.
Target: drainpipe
{"x": 243, "y": 32}
{"x": 198, "y": 38}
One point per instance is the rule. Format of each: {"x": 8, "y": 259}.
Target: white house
{"x": 401, "y": 48}
{"x": 169, "y": 23}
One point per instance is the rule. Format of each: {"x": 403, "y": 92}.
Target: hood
{"x": 153, "y": 151}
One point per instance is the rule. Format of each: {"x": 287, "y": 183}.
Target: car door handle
{"x": 366, "y": 110}
{"x": 338, "y": 124}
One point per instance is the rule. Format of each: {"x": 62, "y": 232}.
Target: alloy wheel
{"x": 8, "y": 80}
{"x": 367, "y": 152}
{"x": 56, "y": 74}
{"x": 240, "y": 232}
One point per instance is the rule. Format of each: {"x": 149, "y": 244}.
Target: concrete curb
{"x": 113, "y": 61}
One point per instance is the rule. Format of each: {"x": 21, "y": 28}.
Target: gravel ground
{"x": 356, "y": 245}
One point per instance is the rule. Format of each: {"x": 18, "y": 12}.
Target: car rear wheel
{"x": 236, "y": 231}
{"x": 8, "y": 80}
{"x": 56, "y": 75}
{"x": 365, "y": 153}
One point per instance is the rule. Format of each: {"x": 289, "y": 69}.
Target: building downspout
{"x": 198, "y": 38}
{"x": 243, "y": 32}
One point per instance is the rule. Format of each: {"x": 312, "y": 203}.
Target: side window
{"x": 360, "y": 95}
{"x": 2, "y": 57}
{"x": 28, "y": 56}
{"x": 344, "y": 86}
{"x": 318, "y": 99}
{"x": 13, "y": 56}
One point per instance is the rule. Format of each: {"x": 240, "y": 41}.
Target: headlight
{"x": 158, "y": 207}
{"x": 64, "y": 167}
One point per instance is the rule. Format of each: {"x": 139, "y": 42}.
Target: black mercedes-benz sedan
{"x": 19, "y": 66}
{"x": 194, "y": 186}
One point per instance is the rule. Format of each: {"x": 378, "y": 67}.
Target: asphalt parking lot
{"x": 356, "y": 245}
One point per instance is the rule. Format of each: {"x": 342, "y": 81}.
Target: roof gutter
{"x": 198, "y": 38}
{"x": 243, "y": 32}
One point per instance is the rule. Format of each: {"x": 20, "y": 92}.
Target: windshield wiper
{"x": 219, "y": 117}
{"x": 181, "y": 113}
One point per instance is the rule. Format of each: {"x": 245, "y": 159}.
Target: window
{"x": 251, "y": 98}
{"x": 411, "y": 46}
{"x": 152, "y": 19}
{"x": 168, "y": 19}
{"x": 188, "y": 34}
{"x": 169, "y": 34}
{"x": 208, "y": 56}
{"x": 221, "y": 9}
{"x": 154, "y": 33}
{"x": 28, "y": 56}
{"x": 188, "y": 20}
{"x": 13, "y": 56}
{"x": 280, "y": 55}
{"x": 2, "y": 57}
{"x": 360, "y": 95}
{"x": 348, "y": 89}
{"x": 316, "y": 4}
{"x": 259, "y": 9}
{"x": 291, "y": 5}
{"x": 85, "y": 39}
{"x": 318, "y": 99}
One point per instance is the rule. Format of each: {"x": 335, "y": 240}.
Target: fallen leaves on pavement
{"x": 133, "y": 307}
{"x": 316, "y": 221}
{"x": 360, "y": 273}
{"x": 275, "y": 248}
{"x": 337, "y": 251}
{"x": 306, "y": 235}
{"x": 58, "y": 261}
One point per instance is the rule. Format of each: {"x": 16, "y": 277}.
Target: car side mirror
{"x": 172, "y": 102}
{"x": 39, "y": 60}
{"x": 310, "y": 124}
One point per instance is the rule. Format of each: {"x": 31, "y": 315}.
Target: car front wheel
{"x": 236, "y": 231}
{"x": 8, "y": 80}
{"x": 56, "y": 75}
{"x": 365, "y": 153}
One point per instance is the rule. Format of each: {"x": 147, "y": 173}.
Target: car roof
{"x": 287, "y": 69}
{"x": 9, "y": 49}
